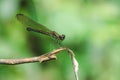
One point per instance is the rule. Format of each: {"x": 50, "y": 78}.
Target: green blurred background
{"x": 92, "y": 29}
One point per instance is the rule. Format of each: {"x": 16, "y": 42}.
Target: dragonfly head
{"x": 62, "y": 37}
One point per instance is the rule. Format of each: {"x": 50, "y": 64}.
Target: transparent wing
{"x": 31, "y": 23}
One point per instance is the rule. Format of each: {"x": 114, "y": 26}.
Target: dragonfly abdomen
{"x": 38, "y": 31}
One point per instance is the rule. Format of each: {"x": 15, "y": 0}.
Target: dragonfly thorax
{"x": 57, "y": 36}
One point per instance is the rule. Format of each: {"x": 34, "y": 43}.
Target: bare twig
{"x": 42, "y": 58}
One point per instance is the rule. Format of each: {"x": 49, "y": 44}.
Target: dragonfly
{"x": 32, "y": 25}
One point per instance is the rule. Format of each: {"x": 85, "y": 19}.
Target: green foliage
{"x": 92, "y": 32}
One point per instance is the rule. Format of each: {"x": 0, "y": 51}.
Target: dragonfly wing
{"x": 31, "y": 23}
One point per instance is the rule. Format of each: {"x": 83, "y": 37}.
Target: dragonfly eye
{"x": 62, "y": 37}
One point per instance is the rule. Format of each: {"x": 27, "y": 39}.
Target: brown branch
{"x": 42, "y": 58}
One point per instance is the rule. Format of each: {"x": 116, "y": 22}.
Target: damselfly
{"x": 31, "y": 25}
